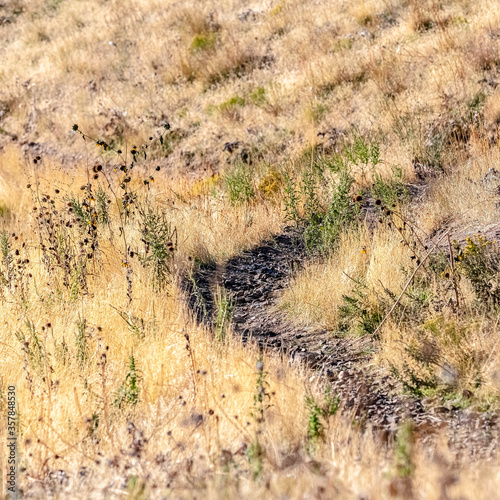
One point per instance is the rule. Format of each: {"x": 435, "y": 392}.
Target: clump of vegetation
{"x": 404, "y": 462}
{"x": 326, "y": 213}
{"x": 231, "y": 103}
{"x": 224, "y": 309}
{"x": 271, "y": 183}
{"x": 320, "y": 413}
{"x": 358, "y": 314}
{"x": 323, "y": 229}
{"x": 159, "y": 240}
{"x": 203, "y": 42}
{"x": 128, "y": 392}
{"x": 238, "y": 182}
{"x": 479, "y": 262}
{"x": 258, "y": 96}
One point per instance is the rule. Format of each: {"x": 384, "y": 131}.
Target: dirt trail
{"x": 254, "y": 280}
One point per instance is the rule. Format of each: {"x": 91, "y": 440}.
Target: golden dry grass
{"x": 413, "y": 76}
{"x": 133, "y": 65}
{"x": 316, "y": 293}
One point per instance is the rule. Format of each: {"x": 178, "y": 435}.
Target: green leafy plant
{"x": 128, "y": 392}
{"x": 391, "y": 190}
{"x": 404, "y": 462}
{"x": 319, "y": 414}
{"x": 159, "y": 238}
{"x": 362, "y": 151}
{"x": 231, "y": 103}
{"x": 258, "y": 96}
{"x": 405, "y": 450}
{"x": 203, "y": 42}
{"x": 323, "y": 230}
{"x": 358, "y": 314}
{"x": 239, "y": 185}
{"x": 261, "y": 397}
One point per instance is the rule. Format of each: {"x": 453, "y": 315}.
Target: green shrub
{"x": 239, "y": 185}
{"x": 391, "y": 190}
{"x": 358, "y": 315}
{"x": 360, "y": 151}
{"x": 128, "y": 392}
{"x": 323, "y": 229}
{"x": 160, "y": 243}
{"x": 291, "y": 199}
{"x": 319, "y": 414}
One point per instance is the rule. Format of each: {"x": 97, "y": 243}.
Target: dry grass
{"x": 416, "y": 78}
{"x": 316, "y": 293}
{"x": 134, "y": 65}
{"x": 464, "y": 199}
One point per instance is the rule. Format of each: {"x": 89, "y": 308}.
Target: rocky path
{"x": 254, "y": 280}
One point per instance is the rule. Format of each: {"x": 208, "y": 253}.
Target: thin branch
{"x": 408, "y": 284}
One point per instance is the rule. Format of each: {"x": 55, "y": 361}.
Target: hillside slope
{"x": 250, "y": 249}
